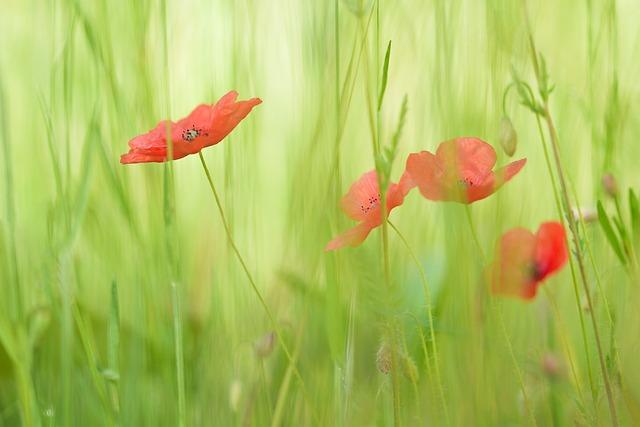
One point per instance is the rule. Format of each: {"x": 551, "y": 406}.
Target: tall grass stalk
{"x": 571, "y": 220}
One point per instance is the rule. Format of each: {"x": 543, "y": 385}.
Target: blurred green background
{"x": 91, "y": 251}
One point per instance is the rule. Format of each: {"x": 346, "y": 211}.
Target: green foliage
{"x": 90, "y": 249}
{"x": 610, "y": 233}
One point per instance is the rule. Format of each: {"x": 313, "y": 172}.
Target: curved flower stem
{"x": 498, "y": 309}
{"x": 272, "y": 319}
{"x": 474, "y": 234}
{"x": 427, "y": 294}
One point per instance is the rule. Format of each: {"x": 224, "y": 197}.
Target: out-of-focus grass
{"x": 87, "y": 325}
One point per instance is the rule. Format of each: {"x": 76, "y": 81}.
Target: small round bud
{"x": 610, "y": 185}
{"x": 264, "y": 345}
{"x": 507, "y": 136}
{"x": 383, "y": 359}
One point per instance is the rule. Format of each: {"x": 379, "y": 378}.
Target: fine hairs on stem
{"x": 255, "y": 289}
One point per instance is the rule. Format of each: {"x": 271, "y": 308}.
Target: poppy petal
{"x": 426, "y": 174}
{"x": 551, "y": 249}
{"x": 468, "y": 159}
{"x": 511, "y": 270}
{"x": 357, "y": 202}
{"x": 352, "y": 237}
{"x": 406, "y": 183}
{"x": 206, "y": 125}
{"x": 494, "y": 180}
{"x": 135, "y": 157}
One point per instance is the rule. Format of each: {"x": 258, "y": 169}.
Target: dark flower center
{"x": 192, "y": 133}
{"x": 370, "y": 204}
{"x": 465, "y": 182}
{"x": 535, "y": 271}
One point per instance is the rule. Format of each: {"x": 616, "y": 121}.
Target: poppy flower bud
{"x": 508, "y": 136}
{"x": 264, "y": 345}
{"x": 610, "y": 185}
{"x": 551, "y": 366}
{"x": 383, "y": 359}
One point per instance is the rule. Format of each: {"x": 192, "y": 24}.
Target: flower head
{"x": 524, "y": 260}
{"x": 362, "y": 203}
{"x": 206, "y": 125}
{"x": 460, "y": 171}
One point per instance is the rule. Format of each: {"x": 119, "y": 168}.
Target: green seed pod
{"x": 508, "y": 136}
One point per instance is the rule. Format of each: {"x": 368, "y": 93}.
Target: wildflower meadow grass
{"x": 319, "y": 213}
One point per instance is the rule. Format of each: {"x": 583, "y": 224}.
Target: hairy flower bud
{"x": 508, "y": 136}
{"x": 383, "y": 359}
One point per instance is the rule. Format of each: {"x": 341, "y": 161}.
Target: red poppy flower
{"x": 362, "y": 203}
{"x": 460, "y": 171}
{"x": 206, "y": 125}
{"x": 524, "y": 260}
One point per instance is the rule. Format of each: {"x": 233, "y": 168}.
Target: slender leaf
{"x": 605, "y": 223}
{"x": 385, "y": 76}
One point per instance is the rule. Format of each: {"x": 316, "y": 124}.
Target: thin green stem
{"x": 565, "y": 343}
{"x": 474, "y": 234}
{"x": 574, "y": 280}
{"x": 498, "y": 309}
{"x": 427, "y": 294}
{"x": 571, "y": 220}
{"x": 254, "y": 287}
{"x": 177, "y": 328}
{"x": 516, "y": 367}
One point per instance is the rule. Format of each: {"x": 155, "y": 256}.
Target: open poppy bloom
{"x": 460, "y": 171}
{"x": 206, "y": 125}
{"x": 362, "y": 203}
{"x": 524, "y": 260}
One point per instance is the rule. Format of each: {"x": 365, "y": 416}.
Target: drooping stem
{"x": 429, "y": 302}
{"x": 255, "y": 289}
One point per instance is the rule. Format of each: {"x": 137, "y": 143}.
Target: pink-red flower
{"x": 362, "y": 203}
{"x": 524, "y": 260}
{"x": 206, "y": 125}
{"x": 460, "y": 171}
